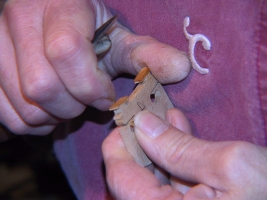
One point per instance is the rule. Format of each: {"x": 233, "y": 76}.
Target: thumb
{"x": 178, "y": 153}
{"x": 130, "y": 53}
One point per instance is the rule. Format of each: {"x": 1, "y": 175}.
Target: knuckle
{"x": 61, "y": 46}
{"x": 39, "y": 89}
{"x": 177, "y": 148}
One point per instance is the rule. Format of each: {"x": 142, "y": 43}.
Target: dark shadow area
{"x": 2, "y": 4}
{"x": 29, "y": 170}
{"x": 90, "y": 114}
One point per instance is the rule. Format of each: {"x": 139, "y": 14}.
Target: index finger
{"x": 69, "y": 28}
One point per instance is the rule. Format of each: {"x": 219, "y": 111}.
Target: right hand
{"x": 198, "y": 169}
{"x": 49, "y": 71}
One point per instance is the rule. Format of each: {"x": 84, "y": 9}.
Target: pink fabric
{"x": 229, "y": 103}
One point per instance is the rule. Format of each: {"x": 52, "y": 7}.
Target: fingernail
{"x": 149, "y": 124}
{"x": 102, "y": 104}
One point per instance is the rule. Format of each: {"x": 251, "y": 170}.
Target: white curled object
{"x": 193, "y": 39}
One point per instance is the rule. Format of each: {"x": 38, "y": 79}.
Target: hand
{"x": 198, "y": 169}
{"x": 49, "y": 71}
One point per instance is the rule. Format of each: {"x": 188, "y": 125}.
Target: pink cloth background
{"x": 229, "y": 103}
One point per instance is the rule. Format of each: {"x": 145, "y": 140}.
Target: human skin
{"x": 198, "y": 169}
{"x": 49, "y": 72}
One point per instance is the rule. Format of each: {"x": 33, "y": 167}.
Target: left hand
{"x": 198, "y": 169}
{"x": 49, "y": 72}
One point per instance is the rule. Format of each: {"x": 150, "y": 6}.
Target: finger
{"x": 129, "y": 53}
{"x": 201, "y": 192}
{"x": 39, "y": 81}
{"x": 128, "y": 180}
{"x": 11, "y": 120}
{"x": 27, "y": 110}
{"x": 180, "y": 153}
{"x": 69, "y": 29}
{"x": 181, "y": 185}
